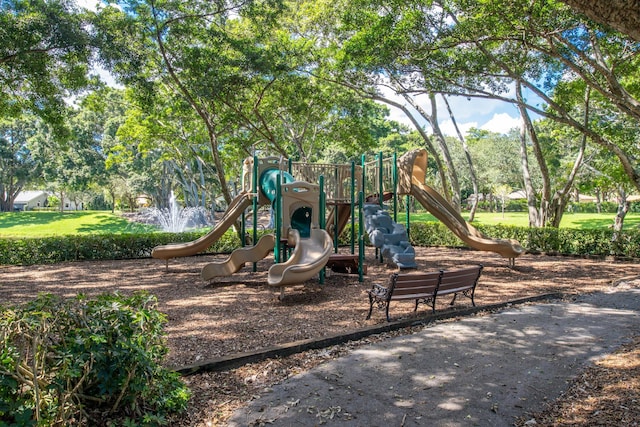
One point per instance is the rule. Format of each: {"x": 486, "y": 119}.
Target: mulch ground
{"x": 241, "y": 313}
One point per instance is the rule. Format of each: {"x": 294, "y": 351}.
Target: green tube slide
{"x": 269, "y": 182}
{"x": 301, "y": 218}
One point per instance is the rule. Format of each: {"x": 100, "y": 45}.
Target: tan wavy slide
{"x": 175, "y": 250}
{"x": 239, "y": 258}
{"x": 308, "y": 258}
{"x": 441, "y": 209}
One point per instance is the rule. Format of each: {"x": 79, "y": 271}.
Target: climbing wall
{"x": 390, "y": 237}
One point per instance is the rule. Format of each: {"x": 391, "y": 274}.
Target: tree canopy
{"x": 45, "y": 55}
{"x": 209, "y": 83}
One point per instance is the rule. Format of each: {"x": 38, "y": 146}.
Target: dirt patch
{"x": 605, "y": 394}
{"x": 241, "y": 313}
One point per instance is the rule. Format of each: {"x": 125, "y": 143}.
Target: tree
{"x": 71, "y": 164}
{"x": 18, "y": 166}
{"x": 556, "y": 47}
{"x": 45, "y": 50}
{"x": 214, "y": 56}
{"x": 171, "y": 146}
{"x": 243, "y": 71}
{"x": 496, "y": 160}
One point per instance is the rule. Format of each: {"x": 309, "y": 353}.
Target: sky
{"x": 490, "y": 115}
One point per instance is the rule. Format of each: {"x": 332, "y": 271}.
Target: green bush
{"x": 27, "y": 251}
{"x": 592, "y": 207}
{"x": 46, "y": 250}
{"x": 83, "y": 362}
{"x": 537, "y": 240}
{"x": 432, "y": 234}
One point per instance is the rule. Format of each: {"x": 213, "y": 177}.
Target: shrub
{"x": 82, "y": 361}
{"x": 26, "y": 251}
{"x": 45, "y": 250}
{"x": 432, "y": 234}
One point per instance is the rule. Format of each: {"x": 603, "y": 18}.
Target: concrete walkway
{"x": 478, "y": 371}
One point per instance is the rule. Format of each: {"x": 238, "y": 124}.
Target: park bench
{"x": 425, "y": 287}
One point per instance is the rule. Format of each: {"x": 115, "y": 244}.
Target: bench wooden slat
{"x": 426, "y": 287}
{"x": 460, "y": 281}
{"x": 414, "y": 286}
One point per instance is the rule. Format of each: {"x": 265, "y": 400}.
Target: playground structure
{"x": 299, "y": 208}
{"x": 302, "y": 223}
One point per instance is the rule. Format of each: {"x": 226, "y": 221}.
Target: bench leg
{"x": 370, "y": 307}
{"x": 454, "y": 299}
{"x": 465, "y": 293}
{"x": 387, "y": 311}
{"x": 426, "y": 301}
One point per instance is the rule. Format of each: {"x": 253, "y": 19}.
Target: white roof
{"x": 29, "y": 195}
{"x": 518, "y": 194}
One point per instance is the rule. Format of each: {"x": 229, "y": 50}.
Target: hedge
{"x": 48, "y": 250}
{"x": 28, "y": 251}
{"x": 538, "y": 240}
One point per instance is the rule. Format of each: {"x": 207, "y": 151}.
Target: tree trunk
{"x": 61, "y": 201}
{"x": 623, "y": 208}
{"x": 545, "y": 196}
{"x": 8, "y": 194}
{"x": 112, "y": 194}
{"x": 561, "y": 197}
{"x": 622, "y": 15}
{"x": 446, "y": 154}
{"x": 467, "y": 154}
{"x": 535, "y": 219}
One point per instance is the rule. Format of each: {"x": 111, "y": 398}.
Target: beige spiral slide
{"x": 441, "y": 209}
{"x": 308, "y": 258}
{"x": 412, "y": 168}
{"x": 175, "y": 250}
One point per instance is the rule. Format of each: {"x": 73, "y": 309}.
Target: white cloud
{"x": 468, "y": 114}
{"x": 106, "y": 76}
{"x": 88, "y": 4}
{"x": 501, "y": 123}
{"x": 397, "y": 115}
{"x": 448, "y": 129}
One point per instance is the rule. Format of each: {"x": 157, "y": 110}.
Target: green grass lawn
{"x": 521, "y": 219}
{"x": 40, "y": 224}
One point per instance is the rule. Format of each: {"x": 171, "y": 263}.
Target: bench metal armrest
{"x": 379, "y": 291}
{"x": 380, "y": 296}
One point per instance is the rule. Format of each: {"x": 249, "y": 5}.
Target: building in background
{"x": 30, "y": 199}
